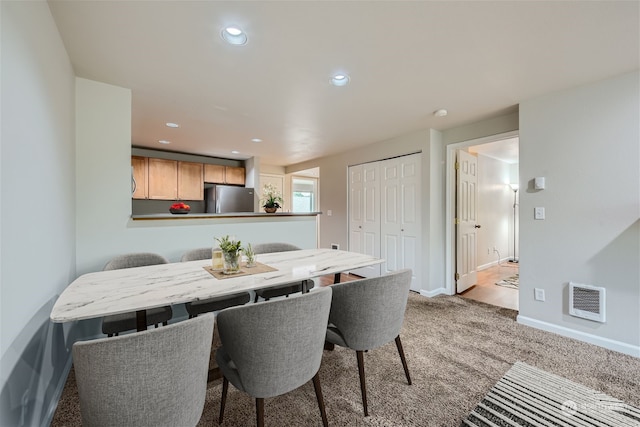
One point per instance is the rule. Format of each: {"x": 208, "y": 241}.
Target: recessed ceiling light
{"x": 440, "y": 113}
{"x": 164, "y": 141}
{"x": 235, "y": 152}
{"x": 340, "y": 80}
{"x": 172, "y": 125}
{"x": 256, "y": 140}
{"x": 234, "y": 35}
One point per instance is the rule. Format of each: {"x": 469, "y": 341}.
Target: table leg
{"x": 336, "y": 278}
{"x": 141, "y": 320}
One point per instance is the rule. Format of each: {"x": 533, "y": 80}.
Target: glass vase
{"x": 231, "y": 262}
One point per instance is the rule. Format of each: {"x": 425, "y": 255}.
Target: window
{"x": 304, "y": 194}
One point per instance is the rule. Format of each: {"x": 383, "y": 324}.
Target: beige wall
{"x": 333, "y": 192}
{"x": 585, "y": 142}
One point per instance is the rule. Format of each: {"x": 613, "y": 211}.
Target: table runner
{"x": 244, "y": 271}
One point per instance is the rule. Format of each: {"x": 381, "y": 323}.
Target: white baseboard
{"x": 632, "y": 350}
{"x": 492, "y": 264}
{"x": 430, "y": 294}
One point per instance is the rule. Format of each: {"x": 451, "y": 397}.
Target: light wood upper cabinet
{"x": 190, "y": 181}
{"x": 218, "y": 174}
{"x": 163, "y": 179}
{"x": 234, "y": 175}
{"x": 140, "y": 171}
{"x": 214, "y": 174}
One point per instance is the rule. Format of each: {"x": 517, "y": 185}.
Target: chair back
{"x": 369, "y": 312}
{"x": 197, "y": 254}
{"x": 276, "y": 346}
{"x": 139, "y": 259}
{"x": 150, "y": 378}
{"x": 267, "y": 248}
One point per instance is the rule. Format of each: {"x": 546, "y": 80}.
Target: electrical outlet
{"x": 335, "y": 246}
{"x": 539, "y": 294}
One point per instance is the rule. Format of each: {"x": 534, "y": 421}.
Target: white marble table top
{"x": 119, "y": 291}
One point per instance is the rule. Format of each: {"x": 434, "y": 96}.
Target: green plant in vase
{"x": 250, "y": 254}
{"x": 231, "y": 249}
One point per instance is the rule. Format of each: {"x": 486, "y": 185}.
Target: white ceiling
{"x": 477, "y": 59}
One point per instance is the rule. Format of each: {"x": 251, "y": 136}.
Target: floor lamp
{"x": 514, "y": 187}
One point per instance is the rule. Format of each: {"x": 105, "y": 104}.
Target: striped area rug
{"x": 527, "y": 396}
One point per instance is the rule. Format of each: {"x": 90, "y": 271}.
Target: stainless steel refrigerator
{"x": 228, "y": 199}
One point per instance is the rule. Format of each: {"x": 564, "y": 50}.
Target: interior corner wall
{"x": 495, "y": 211}
{"x": 37, "y": 178}
{"x": 585, "y": 142}
{"x": 436, "y": 202}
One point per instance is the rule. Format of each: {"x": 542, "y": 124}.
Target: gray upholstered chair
{"x": 273, "y": 347}
{"x": 150, "y": 378}
{"x": 197, "y": 254}
{"x": 213, "y": 304}
{"x": 114, "y": 324}
{"x": 368, "y": 313}
{"x": 280, "y": 290}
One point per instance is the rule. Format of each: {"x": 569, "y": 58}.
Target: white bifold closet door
{"x": 384, "y": 215}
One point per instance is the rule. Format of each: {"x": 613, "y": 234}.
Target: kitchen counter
{"x": 190, "y": 215}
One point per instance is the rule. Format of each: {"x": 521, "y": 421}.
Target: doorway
{"x": 495, "y": 252}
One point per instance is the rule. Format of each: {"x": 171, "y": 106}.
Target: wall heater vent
{"x": 587, "y": 302}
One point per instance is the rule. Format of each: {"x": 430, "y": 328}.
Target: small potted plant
{"x": 250, "y": 254}
{"x": 231, "y": 249}
{"x": 271, "y": 198}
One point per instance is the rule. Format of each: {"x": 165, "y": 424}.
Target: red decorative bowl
{"x": 179, "y": 211}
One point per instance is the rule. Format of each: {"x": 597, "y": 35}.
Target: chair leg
{"x": 318, "y": 389}
{"x": 256, "y": 298}
{"x": 363, "y": 385}
{"x": 165, "y": 323}
{"x": 260, "y": 411}
{"x": 404, "y": 361}
{"x": 223, "y": 400}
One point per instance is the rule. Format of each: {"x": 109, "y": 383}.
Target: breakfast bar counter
{"x": 192, "y": 215}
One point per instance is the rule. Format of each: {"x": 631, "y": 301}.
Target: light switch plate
{"x": 538, "y": 213}
{"x": 538, "y": 183}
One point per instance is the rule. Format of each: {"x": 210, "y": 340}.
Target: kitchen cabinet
{"x": 163, "y": 179}
{"x": 234, "y": 175}
{"x": 218, "y": 174}
{"x": 174, "y": 180}
{"x": 214, "y": 174}
{"x": 140, "y": 176}
{"x": 190, "y": 181}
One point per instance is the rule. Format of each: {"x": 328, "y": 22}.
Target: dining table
{"x": 104, "y": 293}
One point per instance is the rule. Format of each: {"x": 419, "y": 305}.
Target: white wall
{"x": 585, "y": 141}
{"x": 104, "y": 226}
{"x": 38, "y": 210}
{"x": 495, "y": 211}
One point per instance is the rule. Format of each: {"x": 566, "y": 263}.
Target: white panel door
{"x": 364, "y": 214}
{"x": 400, "y": 216}
{"x": 466, "y": 217}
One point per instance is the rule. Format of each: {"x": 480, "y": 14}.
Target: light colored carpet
{"x": 527, "y": 396}
{"x": 510, "y": 282}
{"x": 456, "y": 348}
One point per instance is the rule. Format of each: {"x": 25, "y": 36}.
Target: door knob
{"x": 477, "y": 226}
